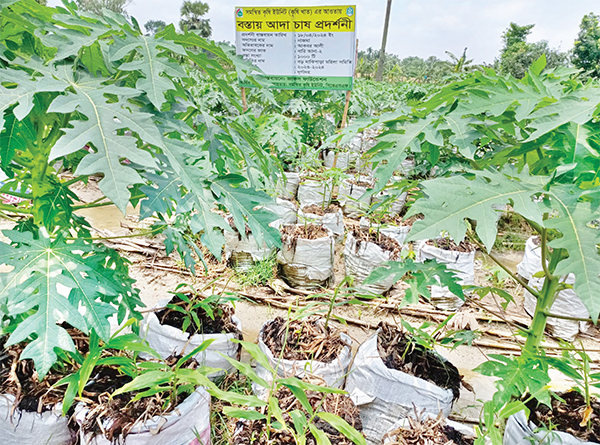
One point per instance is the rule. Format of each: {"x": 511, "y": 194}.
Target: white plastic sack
{"x": 244, "y": 253}
{"x": 462, "y": 263}
{"x": 333, "y": 221}
{"x": 397, "y": 204}
{"x": 386, "y": 395}
{"x": 343, "y": 161}
{"x": 168, "y": 340}
{"x": 287, "y": 187}
{"x": 532, "y": 260}
{"x": 314, "y": 192}
{"x": 286, "y": 212}
{"x": 334, "y": 372}
{"x": 187, "y": 424}
{"x": 361, "y": 258}
{"x": 27, "y": 428}
{"x": 353, "y": 198}
{"x": 307, "y": 264}
{"x": 567, "y": 301}
{"x": 398, "y": 233}
{"x": 519, "y": 431}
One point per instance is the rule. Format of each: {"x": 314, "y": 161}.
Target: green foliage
{"x": 71, "y": 81}
{"x": 260, "y": 273}
{"x": 531, "y": 143}
{"x": 154, "y": 26}
{"x": 586, "y": 50}
{"x": 303, "y": 421}
{"x": 518, "y": 55}
{"x": 419, "y": 277}
{"x": 191, "y": 13}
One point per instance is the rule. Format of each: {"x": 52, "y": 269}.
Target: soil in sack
{"x": 107, "y": 419}
{"x": 400, "y": 353}
{"x": 30, "y": 409}
{"x": 351, "y": 195}
{"x": 314, "y": 191}
{"x": 429, "y": 431}
{"x": 304, "y": 347}
{"x": 364, "y": 251}
{"x": 222, "y": 323}
{"x": 459, "y": 258}
{"x": 567, "y": 416}
{"x": 306, "y": 340}
{"x": 330, "y": 217}
{"x": 164, "y": 331}
{"x": 306, "y": 255}
{"x": 255, "y": 432}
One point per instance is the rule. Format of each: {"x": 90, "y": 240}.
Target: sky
{"x": 417, "y": 27}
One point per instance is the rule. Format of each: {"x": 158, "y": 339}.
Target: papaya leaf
{"x": 449, "y": 201}
{"x": 581, "y": 241}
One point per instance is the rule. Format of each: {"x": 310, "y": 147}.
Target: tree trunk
{"x": 379, "y": 74}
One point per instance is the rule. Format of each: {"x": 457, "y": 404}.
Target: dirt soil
{"x": 121, "y": 412}
{"x": 448, "y": 244}
{"x": 398, "y": 352}
{"x": 19, "y": 378}
{"x": 255, "y": 431}
{"x": 428, "y": 432}
{"x": 306, "y": 339}
{"x": 364, "y": 235}
{"x": 316, "y": 209}
{"x": 567, "y": 416}
{"x": 305, "y": 231}
{"x": 222, "y": 322}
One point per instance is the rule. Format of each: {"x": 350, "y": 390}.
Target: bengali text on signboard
{"x": 299, "y": 47}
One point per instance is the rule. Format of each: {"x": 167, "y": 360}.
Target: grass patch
{"x": 221, "y": 426}
{"x": 260, "y": 273}
{"x": 513, "y": 232}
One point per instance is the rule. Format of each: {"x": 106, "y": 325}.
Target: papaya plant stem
{"x": 544, "y": 302}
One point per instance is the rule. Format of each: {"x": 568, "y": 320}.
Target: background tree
{"x": 41, "y": 2}
{"x": 460, "y": 64}
{"x": 586, "y": 53}
{"x": 191, "y": 13}
{"x": 517, "y": 54}
{"x": 96, "y": 6}
{"x": 154, "y": 26}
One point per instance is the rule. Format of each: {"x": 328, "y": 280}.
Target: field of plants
{"x": 177, "y": 269}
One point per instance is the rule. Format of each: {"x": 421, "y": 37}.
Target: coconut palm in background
{"x": 191, "y": 18}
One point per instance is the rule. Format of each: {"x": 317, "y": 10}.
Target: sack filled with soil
{"x": 243, "y": 251}
{"x": 458, "y": 258}
{"x": 254, "y": 432}
{"x": 392, "y": 375}
{"x": 287, "y": 185}
{"x": 30, "y": 409}
{"x": 330, "y": 217}
{"x": 353, "y": 197}
{"x": 163, "y": 330}
{"x": 105, "y": 420}
{"x": 562, "y": 423}
{"x": 306, "y": 256}
{"x": 313, "y": 191}
{"x": 302, "y": 347}
{"x": 364, "y": 251}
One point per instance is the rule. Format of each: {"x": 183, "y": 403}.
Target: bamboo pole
{"x": 244, "y": 101}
